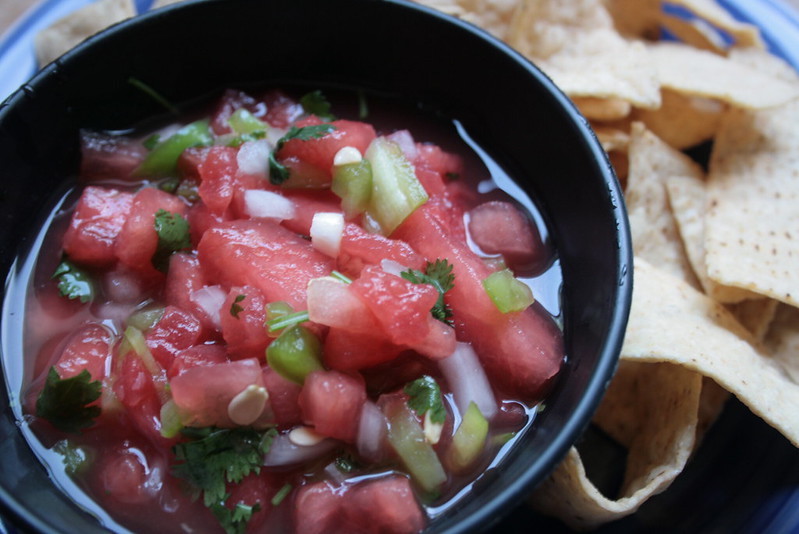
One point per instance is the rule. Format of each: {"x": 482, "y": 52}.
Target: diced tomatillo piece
{"x": 353, "y": 183}
{"x": 507, "y": 292}
{"x": 163, "y": 159}
{"x": 469, "y": 440}
{"x": 244, "y": 122}
{"x": 295, "y": 354}
{"x": 396, "y": 192}
{"x": 406, "y": 436}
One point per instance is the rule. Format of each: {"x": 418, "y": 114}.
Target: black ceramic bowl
{"x": 510, "y": 108}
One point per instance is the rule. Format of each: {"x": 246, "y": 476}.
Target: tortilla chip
{"x": 753, "y": 198}
{"x": 696, "y": 33}
{"x": 602, "y": 109}
{"x": 711, "y": 403}
{"x": 672, "y": 322}
{"x": 69, "y": 31}
{"x": 744, "y": 34}
{"x": 638, "y": 19}
{"x": 654, "y": 231}
{"x": 764, "y": 62}
{"x": 162, "y": 3}
{"x": 783, "y": 340}
{"x": 665, "y": 398}
{"x": 683, "y": 121}
{"x": 700, "y": 73}
{"x": 688, "y": 201}
{"x": 494, "y": 16}
{"x": 577, "y": 45}
{"x": 612, "y": 138}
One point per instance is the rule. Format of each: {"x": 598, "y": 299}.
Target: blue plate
{"x": 745, "y": 476}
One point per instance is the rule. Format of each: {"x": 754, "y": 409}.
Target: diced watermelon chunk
{"x": 108, "y": 157}
{"x": 255, "y": 490}
{"x": 183, "y": 278}
{"x": 189, "y": 162}
{"x": 331, "y": 402}
{"x": 308, "y": 202}
{"x": 86, "y": 349}
{"x": 281, "y": 110}
{"x": 202, "y": 393}
{"x": 318, "y": 510}
{"x": 401, "y": 307}
{"x": 136, "y": 391}
{"x": 521, "y": 351}
{"x": 218, "y": 178}
{"x": 434, "y": 158}
{"x": 124, "y": 473}
{"x": 284, "y": 396}
{"x": 382, "y": 506}
{"x": 348, "y": 351}
{"x": 265, "y": 255}
{"x": 96, "y": 222}
{"x": 196, "y": 356}
{"x": 243, "y": 316}
{"x": 318, "y": 153}
{"x": 201, "y": 218}
{"x": 138, "y": 241}
{"x": 385, "y": 505}
{"x": 177, "y": 330}
{"x": 499, "y": 227}
{"x": 359, "y": 248}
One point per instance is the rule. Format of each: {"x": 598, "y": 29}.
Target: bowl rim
{"x": 609, "y": 354}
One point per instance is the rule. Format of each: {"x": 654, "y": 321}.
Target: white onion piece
{"x": 405, "y": 141}
{"x": 274, "y": 134}
{"x": 284, "y": 452}
{"x": 326, "y": 231}
{"x": 335, "y": 474}
{"x": 467, "y": 380}
{"x": 210, "y": 299}
{"x": 392, "y": 267}
{"x": 266, "y": 204}
{"x": 253, "y": 157}
{"x": 372, "y": 430}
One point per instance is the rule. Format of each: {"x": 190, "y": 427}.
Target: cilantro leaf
{"x": 439, "y": 275}
{"x": 279, "y": 173}
{"x": 315, "y": 103}
{"x": 235, "y": 308}
{"x": 426, "y": 395}
{"x": 173, "y": 235}
{"x": 218, "y": 456}
{"x": 73, "y": 283}
{"x": 234, "y": 521}
{"x": 66, "y": 402}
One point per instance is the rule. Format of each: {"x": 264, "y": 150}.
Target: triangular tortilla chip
{"x": 672, "y": 322}
{"x": 743, "y": 33}
{"x": 577, "y": 45}
{"x": 752, "y": 224}
{"x": 654, "y": 230}
{"x": 683, "y": 121}
{"x": 70, "y": 30}
{"x": 700, "y": 73}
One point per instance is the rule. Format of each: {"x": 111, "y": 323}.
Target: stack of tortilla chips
{"x": 716, "y": 249}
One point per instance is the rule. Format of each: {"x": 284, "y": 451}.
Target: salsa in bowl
{"x": 248, "y": 318}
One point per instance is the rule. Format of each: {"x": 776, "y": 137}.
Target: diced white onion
{"x": 372, "y": 430}
{"x": 274, "y": 134}
{"x": 284, "y": 452}
{"x": 347, "y": 155}
{"x": 405, "y": 141}
{"x": 432, "y": 431}
{"x": 467, "y": 379}
{"x": 266, "y": 204}
{"x": 253, "y": 157}
{"x": 392, "y": 267}
{"x": 326, "y": 231}
{"x": 210, "y": 299}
